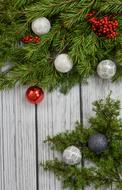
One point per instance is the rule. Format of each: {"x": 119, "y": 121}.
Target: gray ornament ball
{"x": 106, "y": 69}
{"x": 97, "y": 143}
{"x": 72, "y": 155}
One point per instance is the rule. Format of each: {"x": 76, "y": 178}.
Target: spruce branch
{"x": 106, "y": 167}
{"x": 70, "y": 33}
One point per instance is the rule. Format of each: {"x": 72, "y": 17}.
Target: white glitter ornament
{"x": 63, "y": 63}
{"x": 41, "y": 26}
{"x": 106, "y": 69}
{"x": 72, "y": 155}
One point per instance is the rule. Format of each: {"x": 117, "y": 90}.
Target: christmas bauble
{"x": 63, "y": 63}
{"x": 72, "y": 155}
{"x": 41, "y": 26}
{"x": 97, "y": 143}
{"x": 34, "y": 94}
{"x": 106, "y": 69}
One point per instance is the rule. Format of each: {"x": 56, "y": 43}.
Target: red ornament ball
{"x": 34, "y": 94}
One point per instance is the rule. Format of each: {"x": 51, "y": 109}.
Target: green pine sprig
{"x": 105, "y": 168}
{"x": 70, "y": 33}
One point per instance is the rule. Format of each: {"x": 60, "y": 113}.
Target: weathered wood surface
{"x": 24, "y": 127}
{"x": 57, "y": 114}
{"x": 17, "y": 142}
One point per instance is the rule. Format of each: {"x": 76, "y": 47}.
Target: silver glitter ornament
{"x": 72, "y": 155}
{"x": 97, "y": 143}
{"x": 106, "y": 69}
{"x": 41, "y": 26}
{"x": 63, "y": 63}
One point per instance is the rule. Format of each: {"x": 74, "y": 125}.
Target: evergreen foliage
{"x": 105, "y": 168}
{"x": 70, "y": 33}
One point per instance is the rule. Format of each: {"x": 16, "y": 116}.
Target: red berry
{"x": 30, "y": 39}
{"x": 93, "y": 20}
{"x": 36, "y": 39}
{"x": 106, "y": 18}
{"x": 116, "y": 23}
{"x": 90, "y": 14}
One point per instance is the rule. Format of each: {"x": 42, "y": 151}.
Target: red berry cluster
{"x": 105, "y": 26}
{"x": 30, "y": 39}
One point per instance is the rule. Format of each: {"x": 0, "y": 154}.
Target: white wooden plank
{"x": 56, "y": 114}
{"x": 96, "y": 89}
{"x": 1, "y": 149}
{"x": 18, "y": 141}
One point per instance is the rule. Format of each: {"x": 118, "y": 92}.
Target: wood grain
{"x": 57, "y": 114}
{"x": 24, "y": 128}
{"x": 95, "y": 90}
{"x": 17, "y": 143}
